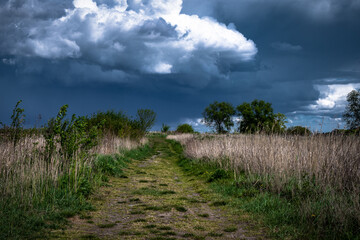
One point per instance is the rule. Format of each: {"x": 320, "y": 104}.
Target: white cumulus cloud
{"x": 144, "y": 36}
{"x": 332, "y": 97}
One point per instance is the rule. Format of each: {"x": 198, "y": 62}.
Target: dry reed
{"x": 309, "y": 167}
{"x": 25, "y": 175}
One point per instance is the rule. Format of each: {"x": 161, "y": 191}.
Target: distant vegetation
{"x": 165, "y": 128}
{"x": 218, "y": 116}
{"x": 298, "y": 130}
{"x": 352, "y": 112}
{"x": 257, "y": 116}
{"x": 117, "y": 123}
{"x": 185, "y": 128}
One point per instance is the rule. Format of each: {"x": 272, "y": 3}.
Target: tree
{"x": 258, "y": 116}
{"x": 352, "y": 111}
{"x": 279, "y": 123}
{"x": 298, "y": 130}
{"x": 146, "y": 119}
{"x": 219, "y": 116}
{"x": 165, "y": 128}
{"x": 185, "y": 128}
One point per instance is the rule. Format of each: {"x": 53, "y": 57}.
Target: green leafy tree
{"x": 352, "y": 111}
{"x": 258, "y": 116}
{"x": 146, "y": 119}
{"x": 165, "y": 128}
{"x": 219, "y": 116}
{"x": 185, "y": 128}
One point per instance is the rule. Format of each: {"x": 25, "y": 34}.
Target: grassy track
{"x": 156, "y": 199}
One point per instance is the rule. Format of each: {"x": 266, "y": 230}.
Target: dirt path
{"x": 156, "y": 201}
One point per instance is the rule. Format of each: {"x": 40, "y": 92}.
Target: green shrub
{"x": 185, "y": 128}
{"x": 165, "y": 128}
{"x": 298, "y": 130}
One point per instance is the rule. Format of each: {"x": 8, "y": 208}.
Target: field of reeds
{"x": 38, "y": 192}
{"x": 318, "y": 176}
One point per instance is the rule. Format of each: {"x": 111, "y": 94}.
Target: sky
{"x": 178, "y": 56}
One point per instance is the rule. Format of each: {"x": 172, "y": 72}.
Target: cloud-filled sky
{"x": 178, "y": 56}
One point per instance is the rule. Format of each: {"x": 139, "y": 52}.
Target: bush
{"x": 185, "y": 128}
{"x": 298, "y": 130}
{"x": 165, "y": 128}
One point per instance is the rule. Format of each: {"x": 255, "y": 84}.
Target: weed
{"x": 204, "y": 215}
{"x": 188, "y": 235}
{"x": 106, "y": 225}
{"x": 134, "y": 200}
{"x": 167, "y": 192}
{"x": 218, "y": 203}
{"x": 218, "y": 174}
{"x": 230, "y": 229}
{"x": 82, "y": 216}
{"x": 150, "y": 226}
{"x": 164, "y": 228}
{"x": 214, "y": 234}
{"x": 180, "y": 208}
{"x": 136, "y": 212}
{"x": 201, "y": 228}
{"x": 168, "y": 233}
{"x": 158, "y": 208}
{"x": 140, "y": 220}
{"x": 161, "y": 238}
{"x": 89, "y": 236}
{"x": 130, "y": 233}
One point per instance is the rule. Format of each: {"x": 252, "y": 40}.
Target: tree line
{"x": 257, "y": 116}
{"x": 68, "y": 128}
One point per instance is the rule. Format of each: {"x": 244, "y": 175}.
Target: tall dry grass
{"x": 28, "y": 177}
{"x": 322, "y": 171}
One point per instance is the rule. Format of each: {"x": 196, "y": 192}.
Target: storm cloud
{"x": 178, "y": 56}
{"x": 150, "y": 37}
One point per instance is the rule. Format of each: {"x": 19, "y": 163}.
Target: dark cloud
{"x": 287, "y": 47}
{"x": 134, "y": 36}
{"x": 303, "y": 56}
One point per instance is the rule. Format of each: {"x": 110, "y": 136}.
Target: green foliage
{"x": 109, "y": 165}
{"x": 352, "y": 111}
{"x": 185, "y": 128}
{"x": 47, "y": 202}
{"x": 74, "y": 136}
{"x": 219, "y": 116}
{"x": 298, "y": 130}
{"x": 165, "y": 128}
{"x": 258, "y": 116}
{"x": 218, "y": 174}
{"x": 117, "y": 123}
{"x": 146, "y": 119}
{"x": 18, "y": 119}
